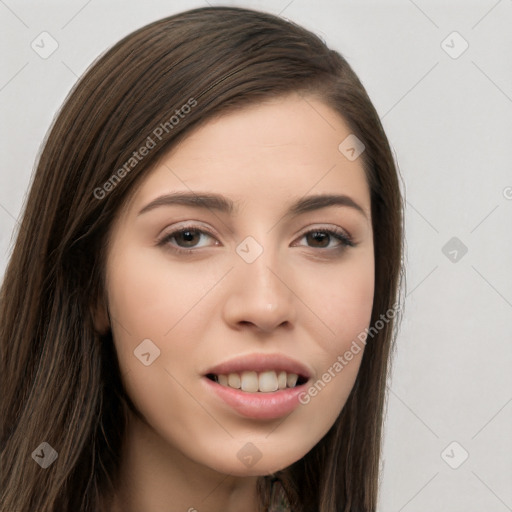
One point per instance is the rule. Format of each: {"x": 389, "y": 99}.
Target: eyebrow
{"x": 222, "y": 204}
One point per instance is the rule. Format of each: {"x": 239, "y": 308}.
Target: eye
{"x": 189, "y": 237}
{"x": 331, "y": 238}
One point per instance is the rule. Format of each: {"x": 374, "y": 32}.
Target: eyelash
{"x": 344, "y": 239}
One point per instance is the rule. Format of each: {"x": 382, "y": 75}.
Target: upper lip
{"x": 260, "y": 363}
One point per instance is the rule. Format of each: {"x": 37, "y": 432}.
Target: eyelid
{"x": 191, "y": 225}
{"x": 343, "y": 236}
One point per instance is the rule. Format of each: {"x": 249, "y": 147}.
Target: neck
{"x": 156, "y": 477}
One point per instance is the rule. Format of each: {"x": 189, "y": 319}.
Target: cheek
{"x": 342, "y": 295}
{"x": 344, "y": 300}
{"x": 149, "y": 297}
{"x": 348, "y": 305}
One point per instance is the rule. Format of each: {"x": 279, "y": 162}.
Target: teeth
{"x": 281, "y": 380}
{"x": 234, "y": 380}
{"x": 268, "y": 382}
{"x": 291, "y": 380}
{"x": 249, "y": 382}
{"x": 264, "y": 382}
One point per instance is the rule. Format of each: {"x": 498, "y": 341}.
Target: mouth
{"x": 267, "y": 381}
{"x": 258, "y": 386}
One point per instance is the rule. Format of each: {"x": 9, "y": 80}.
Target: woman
{"x": 199, "y": 309}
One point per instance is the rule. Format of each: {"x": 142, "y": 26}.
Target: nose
{"x": 260, "y": 297}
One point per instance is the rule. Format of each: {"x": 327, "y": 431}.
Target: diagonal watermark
{"x": 411, "y": 89}
{"x": 422, "y": 216}
{"x": 76, "y": 14}
{"x": 16, "y": 221}
{"x": 198, "y": 403}
{"x": 214, "y": 489}
{"x": 492, "y": 491}
{"x": 492, "y": 81}
{"x": 421, "y": 282}
{"x": 424, "y": 14}
{"x": 407, "y": 503}
{"x": 14, "y": 76}
{"x": 193, "y": 192}
{"x": 320, "y": 115}
{"x": 493, "y": 287}
{"x": 488, "y": 215}
{"x": 332, "y": 332}
{"x": 486, "y": 14}
{"x": 285, "y": 7}
{"x": 304, "y": 195}
{"x": 492, "y": 419}
{"x": 342, "y": 360}
{"x": 13, "y": 13}
{"x": 77, "y": 76}
{"x": 417, "y": 416}
{"x": 111, "y": 317}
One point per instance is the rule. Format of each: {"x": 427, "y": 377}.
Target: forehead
{"x": 287, "y": 146}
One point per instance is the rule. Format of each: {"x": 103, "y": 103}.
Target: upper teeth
{"x": 264, "y": 382}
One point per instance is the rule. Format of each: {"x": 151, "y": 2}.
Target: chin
{"x": 249, "y": 462}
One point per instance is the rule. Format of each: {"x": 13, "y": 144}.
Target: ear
{"x": 100, "y": 316}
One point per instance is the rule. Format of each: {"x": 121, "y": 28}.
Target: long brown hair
{"x": 60, "y": 378}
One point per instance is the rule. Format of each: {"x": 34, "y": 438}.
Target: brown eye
{"x": 188, "y": 239}
{"x": 318, "y": 239}
{"x": 327, "y": 239}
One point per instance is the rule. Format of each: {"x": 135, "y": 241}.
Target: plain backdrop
{"x": 440, "y": 76}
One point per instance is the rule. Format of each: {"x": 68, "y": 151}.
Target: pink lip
{"x": 260, "y": 363}
{"x": 261, "y": 406}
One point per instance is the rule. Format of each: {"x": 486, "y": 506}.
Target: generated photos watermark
{"x": 151, "y": 142}
{"x": 343, "y": 360}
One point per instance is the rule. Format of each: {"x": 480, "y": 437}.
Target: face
{"x": 238, "y": 277}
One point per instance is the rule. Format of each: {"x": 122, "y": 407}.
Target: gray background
{"x": 448, "y": 116}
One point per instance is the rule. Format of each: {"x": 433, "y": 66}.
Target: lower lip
{"x": 260, "y": 406}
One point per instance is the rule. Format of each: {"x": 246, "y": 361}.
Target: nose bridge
{"x": 259, "y": 294}
{"x": 260, "y": 275}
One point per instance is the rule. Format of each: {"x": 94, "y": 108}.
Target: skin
{"x": 297, "y": 298}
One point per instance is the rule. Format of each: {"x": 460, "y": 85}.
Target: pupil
{"x": 188, "y": 236}
{"x": 320, "y": 237}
